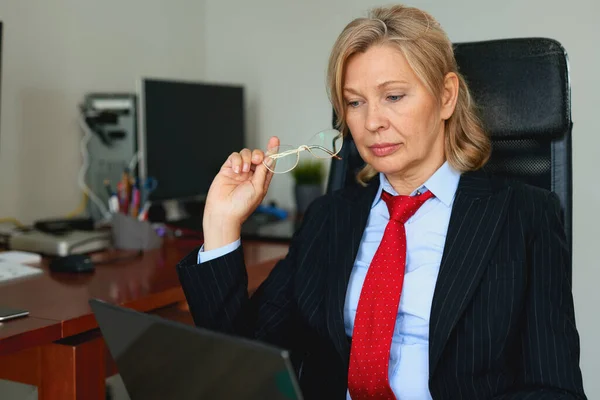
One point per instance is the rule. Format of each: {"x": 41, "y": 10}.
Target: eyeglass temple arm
{"x": 332, "y": 154}
{"x": 305, "y": 147}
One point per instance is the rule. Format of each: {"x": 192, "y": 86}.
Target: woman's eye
{"x": 395, "y": 97}
{"x": 353, "y": 104}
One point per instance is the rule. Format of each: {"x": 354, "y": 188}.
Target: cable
{"x": 85, "y": 165}
{"x": 134, "y": 161}
{"x": 13, "y": 221}
{"x": 80, "y": 208}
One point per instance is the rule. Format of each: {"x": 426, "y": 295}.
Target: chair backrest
{"x": 522, "y": 89}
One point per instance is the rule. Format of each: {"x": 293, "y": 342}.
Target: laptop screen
{"x": 161, "y": 359}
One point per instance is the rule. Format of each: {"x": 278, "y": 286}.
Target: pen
{"x": 125, "y": 191}
{"x": 120, "y": 196}
{"x": 135, "y": 201}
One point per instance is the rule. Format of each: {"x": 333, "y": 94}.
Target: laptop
{"x": 162, "y": 359}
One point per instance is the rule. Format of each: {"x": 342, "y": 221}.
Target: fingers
{"x": 234, "y": 161}
{"x": 246, "y": 156}
{"x": 257, "y": 156}
{"x": 273, "y": 142}
{"x": 240, "y": 162}
{"x": 262, "y": 176}
{"x": 247, "y": 160}
{"x": 267, "y": 180}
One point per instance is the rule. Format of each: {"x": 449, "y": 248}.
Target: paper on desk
{"x": 20, "y": 257}
{"x": 11, "y": 270}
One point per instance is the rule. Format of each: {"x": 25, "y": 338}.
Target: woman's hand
{"x": 237, "y": 190}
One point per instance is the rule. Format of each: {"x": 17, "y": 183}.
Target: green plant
{"x": 308, "y": 173}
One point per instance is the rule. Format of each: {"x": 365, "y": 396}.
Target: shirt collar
{"x": 443, "y": 184}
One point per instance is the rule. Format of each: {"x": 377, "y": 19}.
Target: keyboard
{"x": 10, "y": 271}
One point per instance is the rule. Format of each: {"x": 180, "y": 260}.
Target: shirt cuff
{"x": 204, "y": 256}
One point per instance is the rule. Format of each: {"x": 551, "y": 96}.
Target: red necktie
{"x": 378, "y": 304}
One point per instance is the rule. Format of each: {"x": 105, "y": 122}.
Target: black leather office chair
{"x": 523, "y": 91}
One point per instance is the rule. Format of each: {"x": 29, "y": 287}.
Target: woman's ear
{"x": 449, "y": 95}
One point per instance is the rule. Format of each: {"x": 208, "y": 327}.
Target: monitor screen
{"x": 188, "y": 129}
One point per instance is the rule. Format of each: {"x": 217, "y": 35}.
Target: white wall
{"x": 56, "y": 51}
{"x": 279, "y": 50}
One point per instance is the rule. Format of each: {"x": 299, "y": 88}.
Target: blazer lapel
{"x": 477, "y": 218}
{"x": 350, "y": 214}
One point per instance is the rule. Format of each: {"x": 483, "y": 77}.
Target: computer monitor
{"x": 187, "y": 131}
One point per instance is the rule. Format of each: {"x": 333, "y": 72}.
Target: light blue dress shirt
{"x": 425, "y": 238}
{"x": 204, "y": 256}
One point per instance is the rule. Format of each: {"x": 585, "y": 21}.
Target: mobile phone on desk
{"x": 11, "y": 313}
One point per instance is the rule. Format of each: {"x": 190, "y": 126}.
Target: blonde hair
{"x": 429, "y": 52}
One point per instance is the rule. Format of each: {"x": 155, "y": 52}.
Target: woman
{"x": 433, "y": 280}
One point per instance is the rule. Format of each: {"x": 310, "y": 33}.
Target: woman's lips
{"x": 384, "y": 149}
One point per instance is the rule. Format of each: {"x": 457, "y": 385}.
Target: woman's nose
{"x": 375, "y": 119}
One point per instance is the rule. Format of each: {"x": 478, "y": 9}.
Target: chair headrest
{"x": 523, "y": 85}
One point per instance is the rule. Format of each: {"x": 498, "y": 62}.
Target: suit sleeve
{"x": 549, "y": 368}
{"x": 217, "y": 290}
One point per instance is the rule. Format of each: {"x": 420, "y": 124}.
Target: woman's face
{"x": 396, "y": 123}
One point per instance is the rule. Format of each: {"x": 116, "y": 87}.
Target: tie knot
{"x": 401, "y": 208}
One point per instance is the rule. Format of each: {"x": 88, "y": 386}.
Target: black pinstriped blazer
{"x": 502, "y": 322}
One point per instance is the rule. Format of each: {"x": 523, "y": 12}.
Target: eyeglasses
{"x": 323, "y": 145}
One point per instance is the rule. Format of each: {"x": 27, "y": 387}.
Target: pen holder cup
{"x": 132, "y": 234}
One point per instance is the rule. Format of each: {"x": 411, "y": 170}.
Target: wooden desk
{"x": 59, "y": 348}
